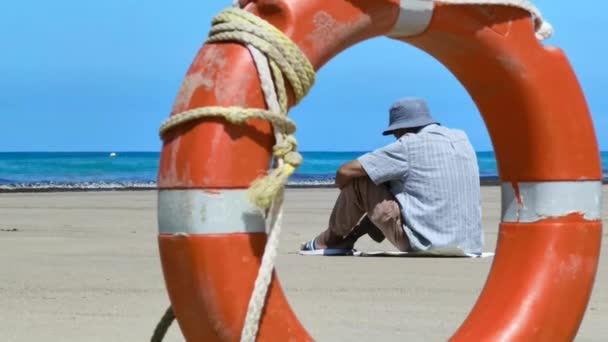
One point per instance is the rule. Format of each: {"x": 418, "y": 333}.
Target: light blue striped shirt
{"x": 435, "y": 177}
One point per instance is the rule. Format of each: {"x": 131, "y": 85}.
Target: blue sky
{"x": 102, "y": 76}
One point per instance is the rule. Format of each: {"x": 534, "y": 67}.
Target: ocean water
{"x": 46, "y": 171}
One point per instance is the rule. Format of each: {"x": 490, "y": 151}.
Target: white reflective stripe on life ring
{"x": 542, "y": 200}
{"x": 197, "y": 211}
{"x": 414, "y": 18}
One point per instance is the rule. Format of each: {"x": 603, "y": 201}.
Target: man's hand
{"x": 349, "y": 171}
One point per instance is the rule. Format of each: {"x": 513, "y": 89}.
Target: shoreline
{"x": 483, "y": 183}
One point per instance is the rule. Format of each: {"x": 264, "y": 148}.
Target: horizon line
{"x": 157, "y": 151}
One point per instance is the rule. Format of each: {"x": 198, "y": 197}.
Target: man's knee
{"x": 359, "y": 183}
{"x": 357, "y": 188}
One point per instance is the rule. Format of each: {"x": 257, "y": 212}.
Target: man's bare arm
{"x": 349, "y": 171}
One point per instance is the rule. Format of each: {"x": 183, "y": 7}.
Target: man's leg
{"x": 360, "y": 197}
{"x": 366, "y": 226}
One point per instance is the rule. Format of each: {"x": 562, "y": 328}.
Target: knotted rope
{"x": 276, "y": 58}
{"x": 286, "y": 61}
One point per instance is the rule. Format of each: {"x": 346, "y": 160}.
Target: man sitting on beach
{"x": 421, "y": 192}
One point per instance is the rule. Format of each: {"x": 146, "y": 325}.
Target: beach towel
{"x": 448, "y": 252}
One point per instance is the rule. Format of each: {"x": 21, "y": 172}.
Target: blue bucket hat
{"x": 408, "y": 112}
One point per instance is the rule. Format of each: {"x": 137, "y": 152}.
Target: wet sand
{"x": 84, "y": 266}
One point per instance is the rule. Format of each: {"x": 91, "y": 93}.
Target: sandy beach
{"x": 84, "y": 266}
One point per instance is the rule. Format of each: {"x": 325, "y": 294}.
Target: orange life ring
{"x": 538, "y": 121}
